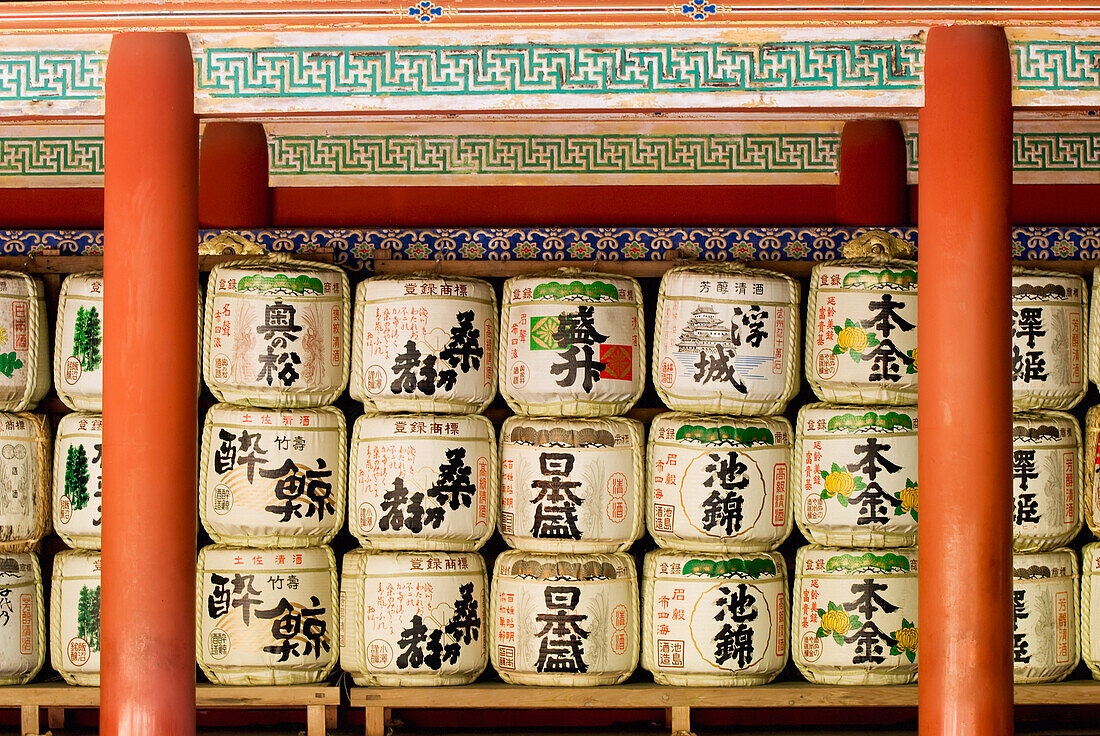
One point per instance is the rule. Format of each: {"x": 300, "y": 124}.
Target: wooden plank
{"x": 375, "y": 721}
{"x": 315, "y": 720}
{"x": 55, "y": 718}
{"x": 679, "y": 719}
{"x": 60, "y": 695}
{"x": 637, "y": 269}
{"x": 28, "y": 720}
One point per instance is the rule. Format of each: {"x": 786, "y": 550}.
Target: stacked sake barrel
{"x": 565, "y": 597}
{"x": 1089, "y": 625}
{"x": 423, "y": 481}
{"x": 714, "y": 598}
{"x": 1049, "y": 370}
{"x": 24, "y": 476}
{"x": 272, "y": 471}
{"x": 855, "y": 471}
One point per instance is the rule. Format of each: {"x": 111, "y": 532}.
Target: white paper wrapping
{"x": 572, "y": 344}
{"x": 1049, "y": 360}
{"x": 423, "y": 481}
{"x": 424, "y": 343}
{"x": 726, "y": 340}
{"x": 75, "y": 594}
{"x": 718, "y": 483}
{"x": 712, "y": 620}
{"x": 861, "y": 332}
{"x": 276, "y": 332}
{"x": 266, "y": 616}
{"x": 22, "y": 618}
{"x": 273, "y": 478}
{"x": 411, "y": 618}
{"x": 855, "y": 475}
{"x": 571, "y": 485}
{"x": 1046, "y": 480}
{"x": 1044, "y": 616}
{"x": 855, "y": 615}
{"x": 564, "y": 620}
{"x": 78, "y": 480}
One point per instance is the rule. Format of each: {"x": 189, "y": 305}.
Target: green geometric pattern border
{"x": 1039, "y": 151}
{"x": 52, "y": 74}
{"x": 51, "y": 156}
{"x": 558, "y": 68}
{"x": 555, "y": 153}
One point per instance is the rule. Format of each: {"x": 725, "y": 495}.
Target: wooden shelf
{"x": 678, "y": 701}
{"x": 320, "y": 702}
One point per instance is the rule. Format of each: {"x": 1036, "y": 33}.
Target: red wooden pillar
{"x": 150, "y": 423}
{"x": 872, "y": 189}
{"x": 233, "y": 187}
{"x": 965, "y": 384}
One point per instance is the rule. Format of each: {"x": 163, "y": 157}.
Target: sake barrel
{"x": 718, "y": 483}
{"x": 78, "y": 480}
{"x": 855, "y": 475}
{"x": 78, "y": 342}
{"x": 1044, "y": 616}
{"x": 273, "y": 478}
{"x": 1046, "y": 480}
{"x": 24, "y": 347}
{"x": 423, "y": 481}
{"x": 74, "y": 616}
{"x": 571, "y": 485}
{"x": 572, "y": 344}
{"x": 726, "y": 340}
{"x": 564, "y": 620}
{"x": 861, "y": 331}
{"x": 855, "y": 615}
{"x": 424, "y": 343}
{"x": 266, "y": 616}
{"x": 24, "y": 481}
{"x": 276, "y": 332}
{"x": 714, "y": 620}
{"x": 411, "y": 618}
{"x": 1049, "y": 362}
{"x": 1089, "y": 629}
{"x": 22, "y": 618}
{"x": 1090, "y": 491}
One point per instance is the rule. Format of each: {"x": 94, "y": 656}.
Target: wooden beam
{"x": 59, "y": 695}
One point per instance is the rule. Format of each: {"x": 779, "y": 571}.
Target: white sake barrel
{"x": 1090, "y": 490}
{"x": 714, "y": 621}
{"x": 276, "y": 332}
{"x": 24, "y": 346}
{"x": 854, "y": 619}
{"x": 273, "y": 478}
{"x": 74, "y": 616}
{"x": 718, "y": 483}
{"x": 855, "y": 475}
{"x": 266, "y": 616}
{"x": 78, "y": 342}
{"x": 1049, "y": 360}
{"x": 424, "y": 343}
{"x": 1089, "y": 629}
{"x": 571, "y": 485}
{"x": 572, "y": 344}
{"x": 22, "y": 618}
{"x": 1044, "y": 616}
{"x": 411, "y": 618}
{"x": 861, "y": 331}
{"x": 564, "y": 620}
{"x": 78, "y": 480}
{"x": 726, "y": 340}
{"x": 24, "y": 481}
{"x": 1046, "y": 480}
{"x": 423, "y": 481}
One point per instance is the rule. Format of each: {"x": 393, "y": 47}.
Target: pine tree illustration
{"x": 93, "y": 339}
{"x": 78, "y": 333}
{"x": 76, "y": 476}
{"x": 87, "y": 616}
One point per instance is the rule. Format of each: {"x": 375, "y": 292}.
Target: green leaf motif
{"x": 888, "y": 421}
{"x": 9, "y": 363}
{"x": 821, "y": 633}
{"x": 838, "y": 638}
{"x": 911, "y": 655}
{"x": 886, "y": 562}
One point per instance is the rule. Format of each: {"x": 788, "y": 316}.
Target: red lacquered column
{"x": 149, "y": 406}
{"x": 965, "y": 384}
